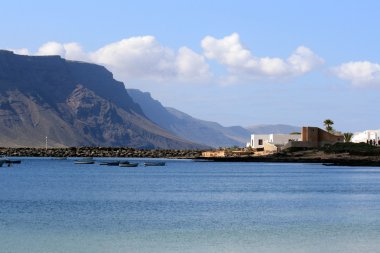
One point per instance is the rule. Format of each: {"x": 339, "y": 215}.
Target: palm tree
{"x": 347, "y": 137}
{"x": 328, "y": 124}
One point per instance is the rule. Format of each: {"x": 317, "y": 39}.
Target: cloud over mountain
{"x": 144, "y": 58}
{"x": 137, "y": 58}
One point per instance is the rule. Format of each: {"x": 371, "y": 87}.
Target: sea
{"x": 56, "y": 206}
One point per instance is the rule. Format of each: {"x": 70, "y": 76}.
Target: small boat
{"x": 9, "y": 161}
{"x": 154, "y": 164}
{"x": 12, "y": 161}
{"x": 128, "y": 164}
{"x": 87, "y": 160}
{"x": 110, "y": 163}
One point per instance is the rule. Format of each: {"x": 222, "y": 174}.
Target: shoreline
{"x": 311, "y": 156}
{"x": 353, "y": 162}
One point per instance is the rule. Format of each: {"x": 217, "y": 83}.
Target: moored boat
{"x": 110, "y": 163}
{"x": 154, "y": 164}
{"x": 12, "y": 161}
{"x": 87, "y": 160}
{"x": 9, "y": 161}
{"x": 128, "y": 164}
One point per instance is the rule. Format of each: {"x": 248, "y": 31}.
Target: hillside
{"x": 74, "y": 104}
{"x": 188, "y": 127}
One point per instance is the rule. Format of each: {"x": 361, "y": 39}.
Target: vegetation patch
{"x": 363, "y": 149}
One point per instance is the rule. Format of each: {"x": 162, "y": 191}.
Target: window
{"x": 260, "y": 141}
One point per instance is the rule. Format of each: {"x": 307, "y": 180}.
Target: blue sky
{"x": 234, "y": 62}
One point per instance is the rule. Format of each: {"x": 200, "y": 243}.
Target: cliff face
{"x": 74, "y": 104}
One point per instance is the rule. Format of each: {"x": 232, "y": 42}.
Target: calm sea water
{"x": 55, "y": 206}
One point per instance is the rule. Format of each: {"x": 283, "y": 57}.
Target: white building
{"x": 258, "y": 140}
{"x": 367, "y": 136}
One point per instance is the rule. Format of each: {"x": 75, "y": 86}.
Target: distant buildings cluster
{"x": 310, "y": 137}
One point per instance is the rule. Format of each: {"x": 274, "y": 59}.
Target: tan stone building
{"x": 314, "y": 137}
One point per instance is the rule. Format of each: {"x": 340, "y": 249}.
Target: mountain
{"x": 187, "y": 127}
{"x": 73, "y": 104}
{"x": 273, "y": 129}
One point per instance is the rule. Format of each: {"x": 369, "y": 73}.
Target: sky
{"x": 234, "y": 62}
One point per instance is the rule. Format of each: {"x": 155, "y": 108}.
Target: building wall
{"x": 317, "y": 137}
{"x": 270, "y": 148}
{"x": 255, "y": 138}
{"x": 217, "y": 153}
{"x": 367, "y": 135}
{"x": 282, "y": 139}
{"x": 276, "y": 139}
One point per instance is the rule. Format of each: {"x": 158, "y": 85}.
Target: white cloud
{"x": 52, "y": 48}
{"x": 230, "y": 52}
{"x": 359, "y": 73}
{"x": 21, "y": 51}
{"x": 138, "y": 58}
{"x": 144, "y": 58}
{"x": 70, "y": 51}
{"x": 191, "y": 65}
{"x": 73, "y": 51}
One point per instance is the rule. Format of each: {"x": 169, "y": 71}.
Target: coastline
{"x": 306, "y": 156}
{"x": 354, "y": 161}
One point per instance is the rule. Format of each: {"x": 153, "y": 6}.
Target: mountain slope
{"x": 74, "y": 104}
{"x": 187, "y": 127}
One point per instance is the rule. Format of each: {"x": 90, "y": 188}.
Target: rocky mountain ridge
{"x": 73, "y": 104}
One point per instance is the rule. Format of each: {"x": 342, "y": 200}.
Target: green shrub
{"x": 352, "y": 149}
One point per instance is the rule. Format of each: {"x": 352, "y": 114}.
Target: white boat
{"x": 86, "y": 160}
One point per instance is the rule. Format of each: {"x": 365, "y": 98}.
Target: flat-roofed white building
{"x": 258, "y": 140}
{"x": 367, "y": 136}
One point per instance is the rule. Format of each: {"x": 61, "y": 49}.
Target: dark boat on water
{"x": 128, "y": 164}
{"x": 8, "y": 161}
{"x": 110, "y": 163}
{"x": 13, "y": 161}
{"x": 154, "y": 164}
